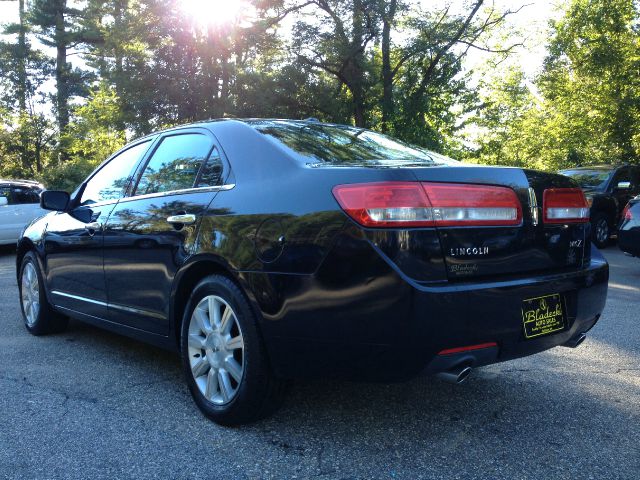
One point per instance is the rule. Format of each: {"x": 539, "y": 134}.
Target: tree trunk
{"x": 62, "y": 75}
{"x": 22, "y": 60}
{"x": 22, "y": 85}
{"x": 119, "y": 15}
{"x": 387, "y": 73}
{"x": 357, "y": 66}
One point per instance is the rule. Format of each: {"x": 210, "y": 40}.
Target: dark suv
{"x": 608, "y": 189}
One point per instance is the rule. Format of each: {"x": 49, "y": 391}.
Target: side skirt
{"x": 152, "y": 338}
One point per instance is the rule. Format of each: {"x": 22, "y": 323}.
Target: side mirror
{"x": 4, "y": 201}
{"x": 54, "y": 200}
{"x": 623, "y": 185}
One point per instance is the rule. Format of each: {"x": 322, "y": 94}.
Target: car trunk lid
{"x": 533, "y": 245}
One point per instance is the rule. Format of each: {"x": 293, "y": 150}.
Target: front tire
{"x": 600, "y": 230}
{"x": 39, "y": 316}
{"x": 223, "y": 356}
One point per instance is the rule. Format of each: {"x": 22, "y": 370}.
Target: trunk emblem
{"x": 469, "y": 251}
{"x": 533, "y": 207}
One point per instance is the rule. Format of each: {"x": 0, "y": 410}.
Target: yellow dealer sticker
{"x": 542, "y": 315}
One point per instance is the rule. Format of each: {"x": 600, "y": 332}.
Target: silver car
{"x": 19, "y": 205}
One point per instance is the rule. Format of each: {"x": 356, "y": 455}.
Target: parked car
{"x": 19, "y": 205}
{"x": 265, "y": 250}
{"x": 608, "y": 189}
{"x": 629, "y": 231}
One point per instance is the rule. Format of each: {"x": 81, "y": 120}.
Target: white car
{"x": 19, "y": 204}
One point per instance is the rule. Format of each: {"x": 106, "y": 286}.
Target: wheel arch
{"x": 606, "y": 207}
{"x": 190, "y": 275}
{"x": 25, "y": 245}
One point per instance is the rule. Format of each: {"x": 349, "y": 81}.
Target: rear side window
{"x": 342, "y": 145}
{"x": 24, "y": 195}
{"x": 111, "y": 180}
{"x": 211, "y": 174}
{"x": 175, "y": 164}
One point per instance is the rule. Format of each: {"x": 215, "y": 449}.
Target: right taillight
{"x": 565, "y": 205}
{"x": 413, "y": 204}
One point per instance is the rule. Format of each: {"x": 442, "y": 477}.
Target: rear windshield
{"x": 596, "y": 179}
{"x": 348, "y": 146}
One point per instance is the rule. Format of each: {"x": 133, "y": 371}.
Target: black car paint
{"x": 629, "y": 230}
{"x": 333, "y": 298}
{"x": 610, "y": 200}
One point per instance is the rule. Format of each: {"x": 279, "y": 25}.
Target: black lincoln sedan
{"x": 265, "y": 250}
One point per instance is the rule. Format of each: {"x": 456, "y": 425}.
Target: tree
{"x": 334, "y": 40}
{"x": 91, "y": 138}
{"x": 585, "y": 105}
{"x": 23, "y": 71}
{"x": 57, "y": 24}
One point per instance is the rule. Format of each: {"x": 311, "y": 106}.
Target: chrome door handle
{"x": 185, "y": 219}
{"x": 92, "y": 226}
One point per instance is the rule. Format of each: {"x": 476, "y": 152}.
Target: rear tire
{"x": 39, "y": 316}
{"x": 600, "y": 230}
{"x": 223, "y": 355}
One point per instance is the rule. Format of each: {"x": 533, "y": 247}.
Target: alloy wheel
{"x": 30, "y": 294}
{"x": 602, "y": 231}
{"x": 216, "y": 350}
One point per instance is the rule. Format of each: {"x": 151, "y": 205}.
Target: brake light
{"x": 470, "y": 348}
{"x": 565, "y": 205}
{"x": 626, "y": 213}
{"x": 385, "y": 204}
{"x": 413, "y": 204}
{"x": 456, "y": 204}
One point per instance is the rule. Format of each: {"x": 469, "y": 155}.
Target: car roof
{"x": 593, "y": 167}
{"x": 248, "y": 121}
{"x": 21, "y": 183}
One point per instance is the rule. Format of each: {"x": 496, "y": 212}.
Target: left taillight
{"x": 414, "y": 204}
{"x": 564, "y": 205}
{"x": 385, "y": 204}
{"x": 626, "y": 213}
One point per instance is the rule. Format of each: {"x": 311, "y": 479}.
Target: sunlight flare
{"x": 216, "y": 12}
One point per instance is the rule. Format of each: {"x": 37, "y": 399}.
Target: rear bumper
{"x": 492, "y": 313}
{"x": 379, "y": 325}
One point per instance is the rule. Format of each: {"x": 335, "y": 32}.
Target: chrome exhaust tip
{"x": 575, "y": 341}
{"x": 455, "y": 375}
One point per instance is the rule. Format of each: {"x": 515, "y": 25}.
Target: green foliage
{"x": 91, "y": 138}
{"x": 396, "y": 65}
{"x": 586, "y": 106}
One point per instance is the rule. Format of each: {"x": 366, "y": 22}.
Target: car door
{"x": 73, "y": 240}
{"x": 27, "y": 201}
{"x": 144, "y": 245}
{"x": 9, "y": 222}
{"x": 622, "y": 188}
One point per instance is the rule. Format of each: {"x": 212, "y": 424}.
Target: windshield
{"x": 341, "y": 145}
{"x": 596, "y": 179}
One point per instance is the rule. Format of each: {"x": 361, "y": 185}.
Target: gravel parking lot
{"x": 90, "y": 404}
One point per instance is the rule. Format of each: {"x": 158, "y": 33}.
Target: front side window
{"x": 175, "y": 164}
{"x": 111, "y": 180}
{"x": 25, "y": 195}
{"x": 623, "y": 175}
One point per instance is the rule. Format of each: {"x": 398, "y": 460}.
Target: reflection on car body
{"x": 264, "y": 250}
